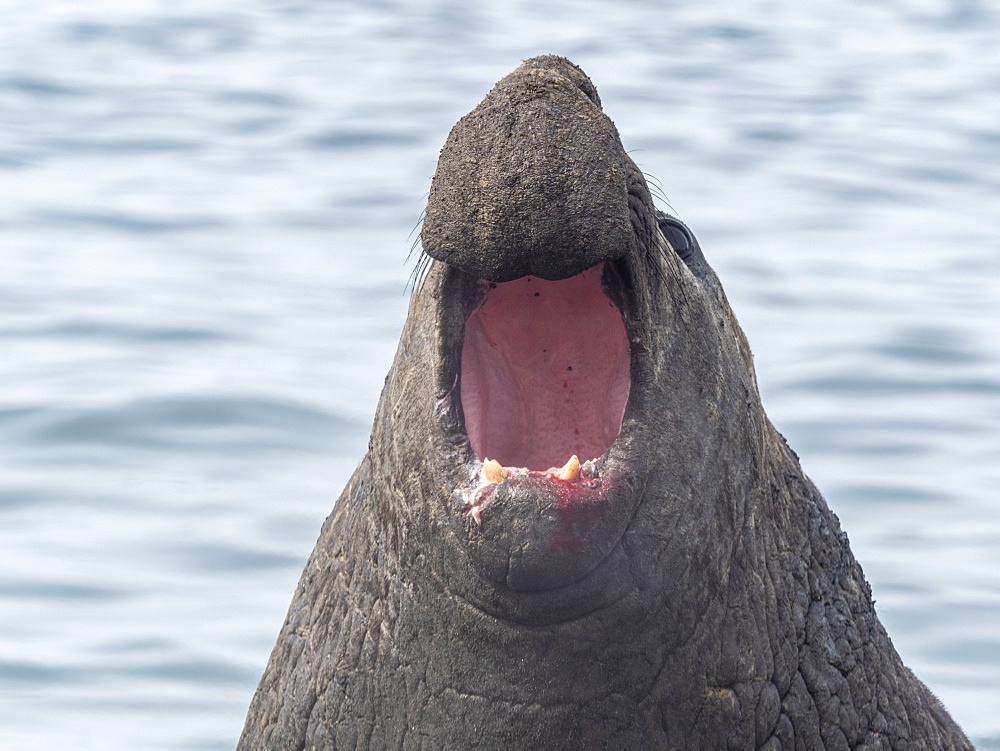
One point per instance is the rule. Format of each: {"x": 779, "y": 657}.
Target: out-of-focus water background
{"x": 205, "y": 210}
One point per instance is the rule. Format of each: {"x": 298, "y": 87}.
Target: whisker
{"x": 423, "y": 261}
{"x": 419, "y": 272}
{"x": 657, "y": 191}
{"x": 416, "y": 242}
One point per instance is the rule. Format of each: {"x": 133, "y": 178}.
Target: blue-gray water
{"x": 204, "y": 214}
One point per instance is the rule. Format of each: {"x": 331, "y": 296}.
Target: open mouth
{"x": 544, "y": 380}
{"x": 545, "y": 373}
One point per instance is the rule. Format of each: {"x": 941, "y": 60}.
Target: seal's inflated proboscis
{"x": 575, "y": 527}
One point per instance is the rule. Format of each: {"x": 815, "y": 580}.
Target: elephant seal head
{"x": 574, "y": 325}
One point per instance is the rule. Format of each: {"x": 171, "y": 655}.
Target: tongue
{"x": 545, "y": 371}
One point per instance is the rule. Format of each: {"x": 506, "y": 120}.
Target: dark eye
{"x": 677, "y": 235}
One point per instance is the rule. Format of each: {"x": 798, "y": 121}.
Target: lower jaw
{"x": 532, "y": 531}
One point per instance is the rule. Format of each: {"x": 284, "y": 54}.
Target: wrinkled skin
{"x": 709, "y": 599}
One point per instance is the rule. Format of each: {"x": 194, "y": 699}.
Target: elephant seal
{"x": 479, "y": 586}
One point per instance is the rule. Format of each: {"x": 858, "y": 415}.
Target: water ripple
{"x": 37, "y": 589}
{"x": 187, "y": 425}
{"x": 126, "y": 222}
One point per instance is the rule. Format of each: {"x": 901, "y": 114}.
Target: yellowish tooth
{"x": 571, "y": 470}
{"x": 493, "y": 470}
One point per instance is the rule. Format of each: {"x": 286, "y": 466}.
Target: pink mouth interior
{"x": 545, "y": 372}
